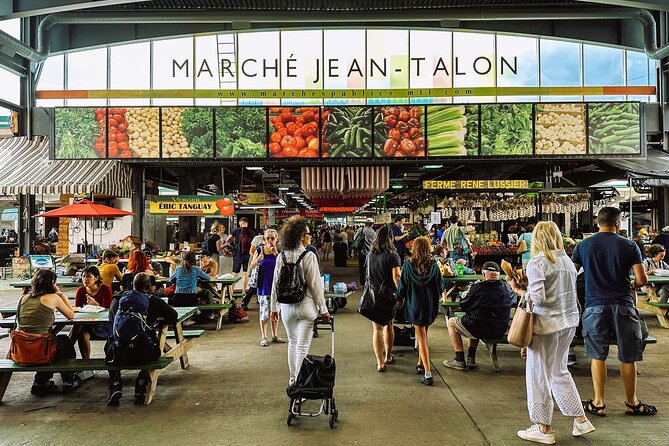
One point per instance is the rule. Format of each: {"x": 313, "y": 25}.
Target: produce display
{"x": 187, "y": 132}
{"x": 452, "y": 130}
{"x": 398, "y": 131}
{"x": 506, "y": 129}
{"x": 614, "y": 128}
{"x": 560, "y": 129}
{"x": 347, "y": 131}
{"x": 240, "y": 132}
{"x": 295, "y": 132}
{"x": 78, "y": 135}
{"x": 141, "y": 132}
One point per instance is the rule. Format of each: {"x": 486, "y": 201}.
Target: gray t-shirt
{"x": 369, "y": 234}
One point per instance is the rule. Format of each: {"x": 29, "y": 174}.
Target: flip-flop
{"x": 381, "y": 369}
{"x": 391, "y": 360}
{"x": 590, "y": 407}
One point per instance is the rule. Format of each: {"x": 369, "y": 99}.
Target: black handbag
{"x": 375, "y": 305}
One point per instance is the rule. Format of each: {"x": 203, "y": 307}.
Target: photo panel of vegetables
{"x": 347, "y": 132}
{"x": 294, "y": 132}
{"x": 614, "y": 128}
{"x": 187, "y": 132}
{"x": 453, "y": 130}
{"x": 506, "y": 129}
{"x": 398, "y": 131}
{"x": 560, "y": 129}
{"x": 80, "y": 133}
{"x": 241, "y": 132}
{"x": 134, "y": 132}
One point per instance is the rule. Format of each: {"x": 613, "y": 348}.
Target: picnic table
{"x": 651, "y": 302}
{"x": 68, "y": 282}
{"x": 170, "y": 353}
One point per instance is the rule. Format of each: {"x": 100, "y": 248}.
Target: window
{"x": 11, "y": 87}
{"x": 52, "y": 77}
{"x": 87, "y": 70}
{"x": 130, "y": 69}
{"x": 11, "y": 27}
{"x": 517, "y": 65}
{"x": 602, "y": 66}
{"x": 173, "y": 68}
{"x": 560, "y": 63}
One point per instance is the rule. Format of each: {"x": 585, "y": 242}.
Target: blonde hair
{"x": 215, "y": 227}
{"x": 546, "y": 238}
{"x": 271, "y": 231}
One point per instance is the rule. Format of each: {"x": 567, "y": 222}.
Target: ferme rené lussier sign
{"x": 355, "y": 58}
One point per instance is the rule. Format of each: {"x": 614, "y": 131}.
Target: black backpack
{"x": 132, "y": 341}
{"x": 290, "y": 285}
{"x": 359, "y": 241}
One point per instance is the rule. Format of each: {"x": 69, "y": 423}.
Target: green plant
{"x": 506, "y": 129}
{"x": 197, "y": 125}
{"x": 240, "y": 132}
{"x": 76, "y": 132}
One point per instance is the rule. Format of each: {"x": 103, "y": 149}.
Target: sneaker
{"x": 455, "y": 364}
{"x": 140, "y": 390}
{"x": 582, "y": 428}
{"x": 427, "y": 381}
{"x": 278, "y": 340}
{"x": 571, "y": 360}
{"x": 70, "y": 386}
{"x": 533, "y": 433}
{"x": 471, "y": 362}
{"x": 245, "y": 307}
{"x": 47, "y": 388}
{"x": 114, "y": 397}
{"x": 86, "y": 374}
{"x": 263, "y": 342}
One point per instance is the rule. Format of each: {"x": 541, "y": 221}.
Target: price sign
{"x": 435, "y": 218}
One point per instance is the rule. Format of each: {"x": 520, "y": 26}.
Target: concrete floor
{"x": 234, "y": 393}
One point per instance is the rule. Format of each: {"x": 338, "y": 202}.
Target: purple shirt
{"x": 265, "y": 273}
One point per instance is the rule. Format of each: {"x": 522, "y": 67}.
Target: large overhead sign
{"x": 475, "y": 184}
{"x": 349, "y": 64}
{"x": 191, "y": 205}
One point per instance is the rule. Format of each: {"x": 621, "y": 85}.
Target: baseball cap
{"x": 490, "y": 267}
{"x": 369, "y": 220}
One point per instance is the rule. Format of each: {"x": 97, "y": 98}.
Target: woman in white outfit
{"x": 298, "y": 318}
{"x": 552, "y": 290}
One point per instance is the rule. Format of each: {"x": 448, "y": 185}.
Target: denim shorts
{"x": 604, "y": 323}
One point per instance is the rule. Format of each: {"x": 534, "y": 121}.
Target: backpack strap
{"x": 299, "y": 259}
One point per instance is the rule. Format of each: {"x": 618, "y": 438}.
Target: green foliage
{"x": 240, "y": 132}
{"x": 506, "y": 129}
{"x": 197, "y": 125}
{"x": 76, "y": 132}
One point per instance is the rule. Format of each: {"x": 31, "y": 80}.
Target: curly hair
{"x": 43, "y": 282}
{"x": 420, "y": 255}
{"x": 138, "y": 262}
{"x": 293, "y": 231}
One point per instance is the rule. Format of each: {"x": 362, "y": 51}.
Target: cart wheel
{"x": 342, "y": 302}
{"x": 332, "y": 306}
{"x": 290, "y": 418}
{"x": 332, "y": 421}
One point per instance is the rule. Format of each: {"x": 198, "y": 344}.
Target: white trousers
{"x": 299, "y": 322}
{"x": 547, "y": 377}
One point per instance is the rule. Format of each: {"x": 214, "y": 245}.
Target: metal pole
{"x": 629, "y": 223}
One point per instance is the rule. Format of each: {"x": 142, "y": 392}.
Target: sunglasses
{"x": 270, "y": 238}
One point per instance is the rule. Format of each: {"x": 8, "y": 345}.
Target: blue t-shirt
{"x": 399, "y": 245}
{"x": 606, "y": 259}
{"x": 187, "y": 281}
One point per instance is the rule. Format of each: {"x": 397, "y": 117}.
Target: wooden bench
{"x": 8, "y": 367}
{"x": 491, "y": 345}
{"x": 4, "y": 335}
{"x": 651, "y": 303}
{"x": 188, "y": 334}
{"x": 221, "y": 308}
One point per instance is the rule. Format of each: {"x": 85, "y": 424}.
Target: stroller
{"x": 315, "y": 381}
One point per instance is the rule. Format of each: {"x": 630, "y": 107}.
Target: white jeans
{"x": 299, "y": 322}
{"x": 546, "y": 376}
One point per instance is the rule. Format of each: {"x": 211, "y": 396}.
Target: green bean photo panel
{"x": 614, "y": 128}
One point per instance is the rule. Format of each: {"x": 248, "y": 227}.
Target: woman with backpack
{"x": 265, "y": 260}
{"x": 36, "y": 316}
{"x": 298, "y": 313}
{"x": 419, "y": 291}
{"x": 93, "y": 292}
{"x": 383, "y": 264}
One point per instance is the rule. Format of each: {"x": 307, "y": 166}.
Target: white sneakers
{"x": 582, "y": 428}
{"x": 533, "y": 433}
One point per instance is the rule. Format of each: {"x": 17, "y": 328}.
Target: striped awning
{"x": 25, "y": 168}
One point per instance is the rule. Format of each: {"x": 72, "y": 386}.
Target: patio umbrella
{"x": 85, "y": 209}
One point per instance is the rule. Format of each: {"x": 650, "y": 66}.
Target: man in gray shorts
{"x": 610, "y": 309}
{"x": 487, "y": 306}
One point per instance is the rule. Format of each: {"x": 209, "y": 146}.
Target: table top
{"x": 96, "y": 318}
{"x": 652, "y": 278}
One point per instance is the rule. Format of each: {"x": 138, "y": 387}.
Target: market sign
{"x": 257, "y": 198}
{"x": 306, "y": 213}
{"x": 191, "y": 205}
{"x": 475, "y": 184}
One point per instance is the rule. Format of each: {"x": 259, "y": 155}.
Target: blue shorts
{"x": 240, "y": 262}
{"x": 604, "y": 323}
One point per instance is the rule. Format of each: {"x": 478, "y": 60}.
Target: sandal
{"x": 391, "y": 360}
{"x": 420, "y": 370}
{"x": 641, "y": 409}
{"x": 590, "y": 407}
{"x": 381, "y": 368}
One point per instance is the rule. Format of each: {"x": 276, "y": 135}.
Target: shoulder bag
{"x": 375, "y": 305}
{"x": 520, "y": 331}
{"x": 31, "y": 349}
{"x": 522, "y": 247}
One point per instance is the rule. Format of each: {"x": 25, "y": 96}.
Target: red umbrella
{"x": 84, "y": 209}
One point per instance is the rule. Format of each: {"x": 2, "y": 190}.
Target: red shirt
{"x": 103, "y": 296}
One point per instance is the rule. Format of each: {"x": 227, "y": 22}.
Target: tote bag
{"x": 375, "y": 305}
{"x": 520, "y": 332}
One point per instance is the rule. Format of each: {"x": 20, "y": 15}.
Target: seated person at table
{"x": 205, "y": 291}
{"x": 186, "y": 277}
{"x": 487, "y": 306}
{"x": 36, "y": 316}
{"x": 656, "y": 261}
{"x": 137, "y": 263}
{"x": 157, "y": 309}
{"x": 109, "y": 268}
{"x": 94, "y": 292}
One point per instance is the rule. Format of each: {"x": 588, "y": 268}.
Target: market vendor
{"x": 400, "y": 237}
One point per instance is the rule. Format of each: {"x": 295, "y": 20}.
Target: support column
{"x": 26, "y": 223}
{"x": 187, "y": 225}
{"x": 138, "y": 204}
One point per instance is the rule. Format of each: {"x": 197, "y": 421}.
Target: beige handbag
{"x": 520, "y": 331}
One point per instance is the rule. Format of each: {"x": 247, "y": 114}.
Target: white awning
{"x": 25, "y": 168}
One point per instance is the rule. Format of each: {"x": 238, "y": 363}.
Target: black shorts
{"x": 240, "y": 262}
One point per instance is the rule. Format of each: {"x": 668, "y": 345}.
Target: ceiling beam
{"x": 30, "y": 8}
{"x": 655, "y": 5}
